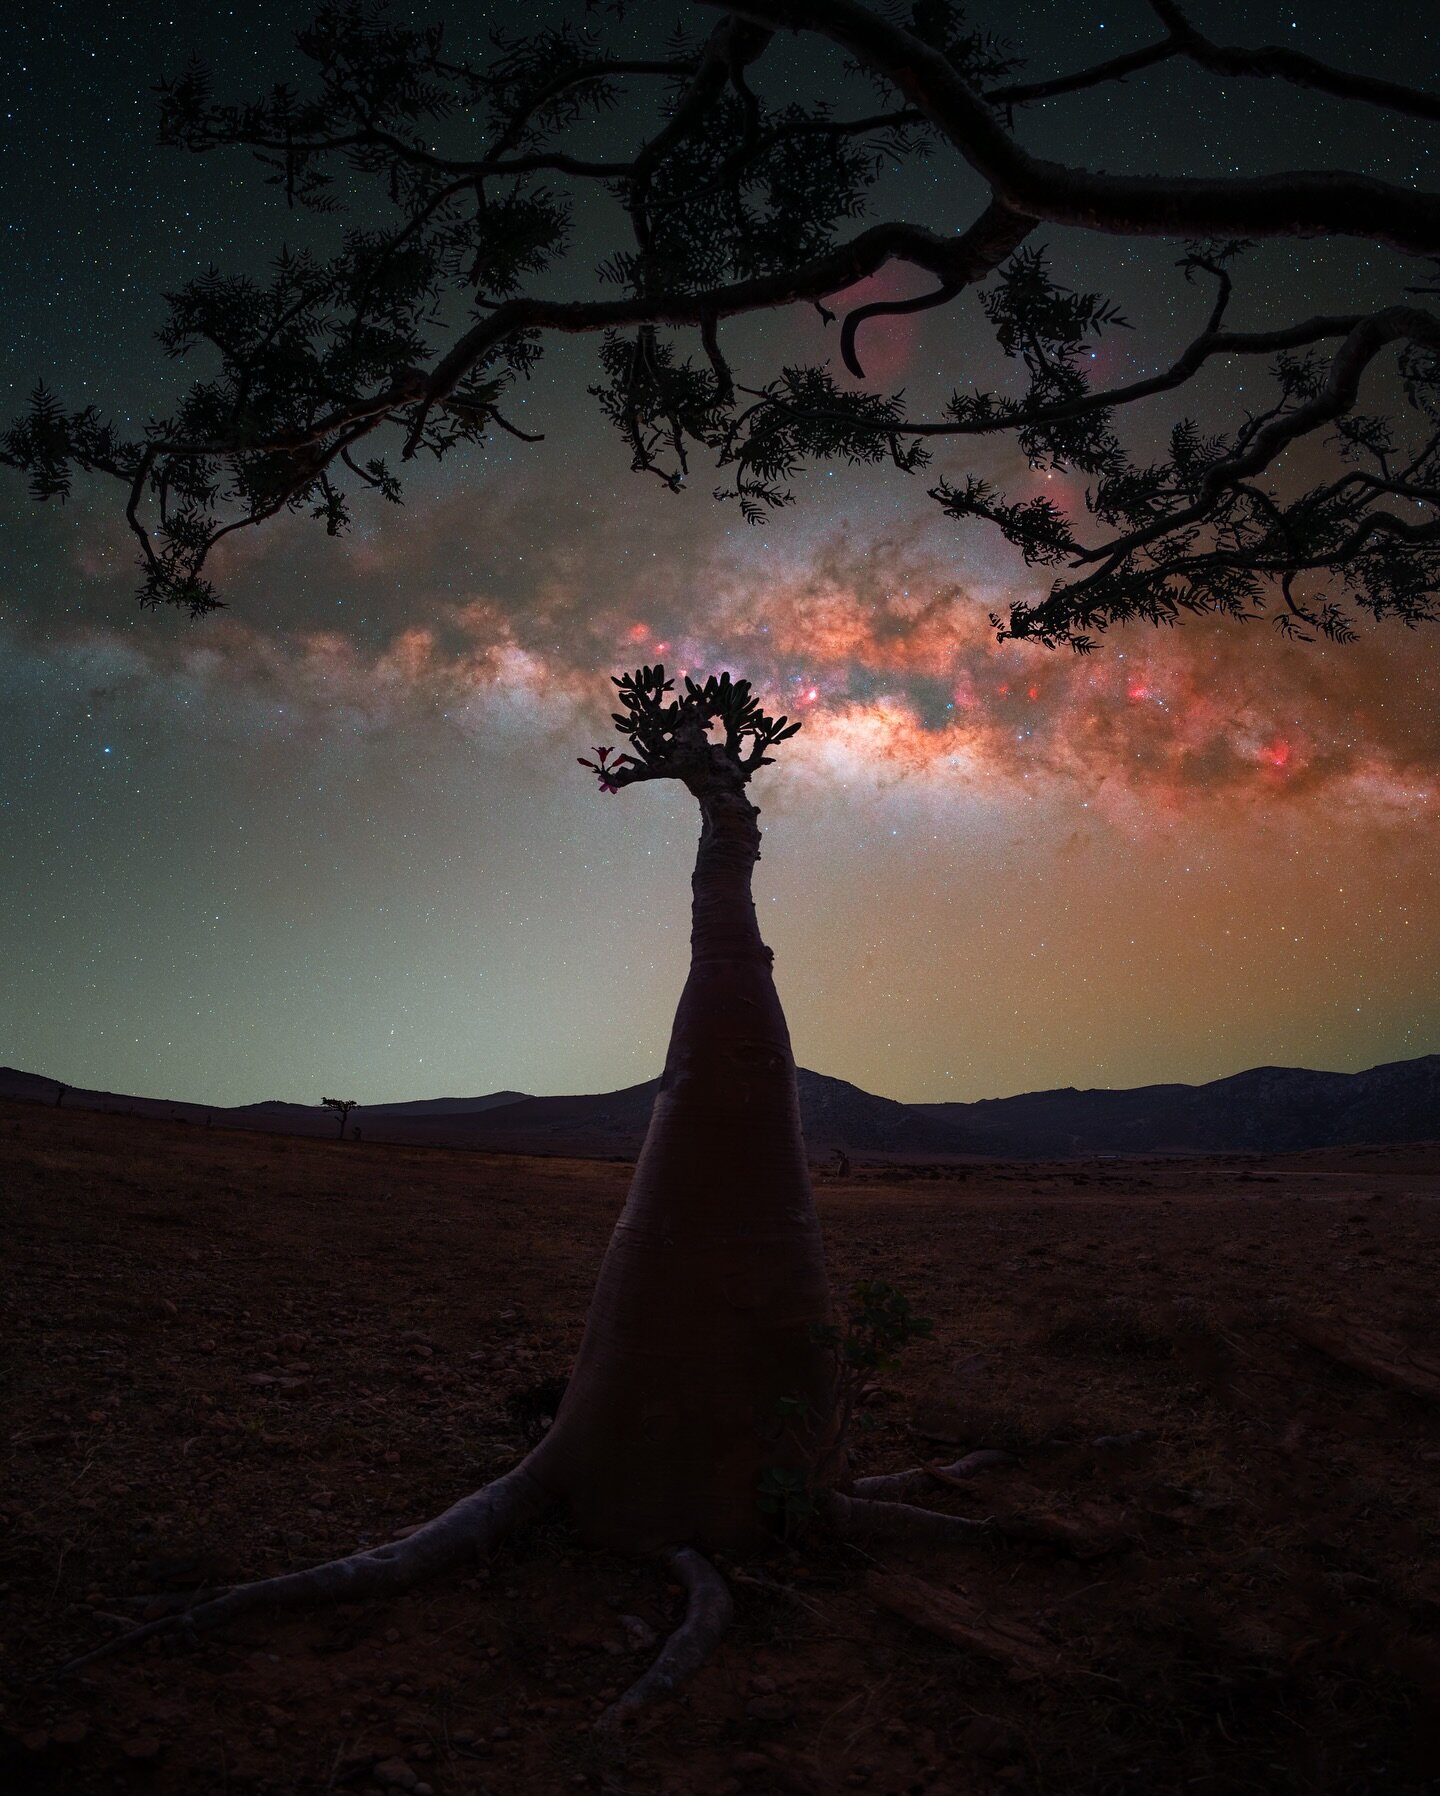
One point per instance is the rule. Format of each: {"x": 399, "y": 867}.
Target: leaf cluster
{"x": 1194, "y": 537}
{"x": 668, "y": 737}
{"x": 881, "y": 1324}
{"x": 802, "y": 418}
{"x": 749, "y": 189}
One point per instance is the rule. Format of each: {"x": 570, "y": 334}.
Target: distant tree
{"x": 738, "y": 197}
{"x": 342, "y": 1108}
{"x": 60, "y": 1091}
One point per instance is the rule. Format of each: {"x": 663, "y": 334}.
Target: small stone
{"x": 501, "y": 1733}
{"x": 141, "y": 1747}
{"x": 640, "y": 1634}
{"x": 395, "y": 1774}
{"x": 768, "y": 1708}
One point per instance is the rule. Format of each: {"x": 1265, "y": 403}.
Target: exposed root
{"x": 861, "y": 1518}
{"x": 468, "y": 1529}
{"x": 921, "y": 1478}
{"x": 706, "y": 1618}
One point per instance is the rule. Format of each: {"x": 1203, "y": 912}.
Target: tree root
{"x": 707, "y": 1616}
{"x": 861, "y": 1518}
{"x": 925, "y": 1477}
{"x": 468, "y": 1529}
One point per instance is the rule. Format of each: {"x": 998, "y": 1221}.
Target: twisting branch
{"x": 1182, "y": 39}
{"x": 1291, "y": 65}
{"x": 738, "y": 203}
{"x": 890, "y": 308}
{"x": 1364, "y": 342}
{"x": 962, "y": 259}
{"x": 1254, "y": 206}
{"x": 1115, "y": 68}
{"x": 1211, "y": 342}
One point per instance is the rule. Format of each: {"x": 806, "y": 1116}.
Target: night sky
{"x": 334, "y": 839}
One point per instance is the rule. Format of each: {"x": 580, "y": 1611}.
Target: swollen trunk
{"x": 698, "y": 1372}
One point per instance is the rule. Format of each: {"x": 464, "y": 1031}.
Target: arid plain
{"x": 1204, "y": 1393}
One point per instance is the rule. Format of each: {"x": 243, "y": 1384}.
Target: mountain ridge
{"x": 1265, "y": 1109}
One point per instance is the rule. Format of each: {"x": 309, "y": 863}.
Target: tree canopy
{"x": 322, "y": 376}
{"x": 668, "y": 737}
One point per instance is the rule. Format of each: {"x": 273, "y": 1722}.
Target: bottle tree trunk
{"x": 698, "y": 1372}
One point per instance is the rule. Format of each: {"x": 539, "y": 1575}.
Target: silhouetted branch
{"x": 737, "y": 203}
{"x": 1271, "y": 61}
{"x": 1129, "y": 205}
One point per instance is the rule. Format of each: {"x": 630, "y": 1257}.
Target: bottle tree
{"x": 709, "y": 1397}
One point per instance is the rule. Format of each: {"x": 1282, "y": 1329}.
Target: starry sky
{"x": 334, "y": 839}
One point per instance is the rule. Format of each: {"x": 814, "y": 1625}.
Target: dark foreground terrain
{"x": 1215, "y": 1383}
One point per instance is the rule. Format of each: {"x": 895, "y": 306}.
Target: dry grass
{"x": 232, "y": 1353}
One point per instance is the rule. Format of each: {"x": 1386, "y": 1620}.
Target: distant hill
{"x": 446, "y": 1106}
{"x": 1270, "y": 1109}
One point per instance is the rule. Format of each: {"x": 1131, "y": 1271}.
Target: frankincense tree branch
{"x": 734, "y": 198}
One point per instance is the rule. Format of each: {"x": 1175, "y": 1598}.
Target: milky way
{"x": 336, "y": 836}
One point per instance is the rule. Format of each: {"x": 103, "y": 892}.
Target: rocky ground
{"x": 1203, "y": 1393}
